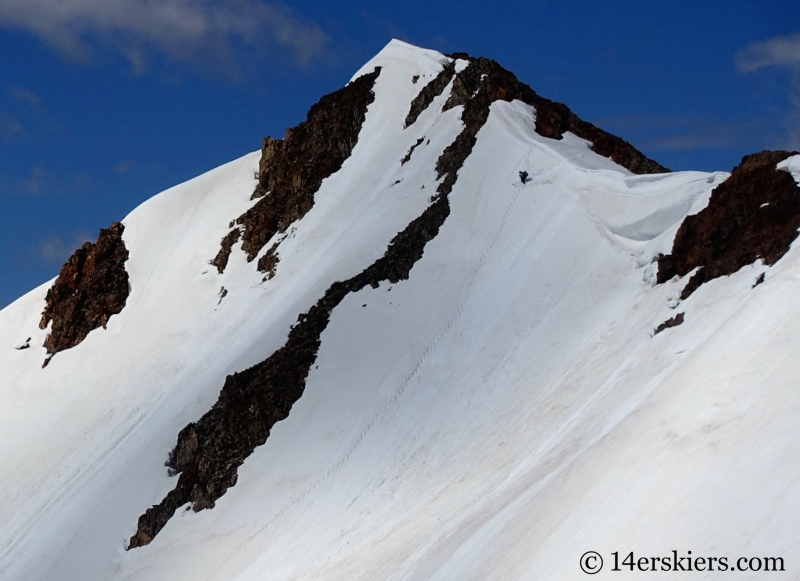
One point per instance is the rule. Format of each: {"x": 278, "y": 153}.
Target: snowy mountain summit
{"x": 443, "y": 330}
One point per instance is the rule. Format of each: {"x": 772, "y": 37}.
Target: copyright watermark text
{"x": 592, "y": 562}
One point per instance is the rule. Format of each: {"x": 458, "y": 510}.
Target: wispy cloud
{"x": 29, "y": 110}
{"x": 39, "y": 182}
{"x": 56, "y": 249}
{"x": 681, "y": 133}
{"x": 26, "y": 96}
{"x": 777, "y": 51}
{"x": 42, "y": 182}
{"x": 125, "y": 166}
{"x": 782, "y": 52}
{"x": 10, "y": 127}
{"x": 218, "y": 35}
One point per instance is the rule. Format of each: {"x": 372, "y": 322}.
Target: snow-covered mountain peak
{"x": 406, "y": 58}
{"x": 423, "y": 336}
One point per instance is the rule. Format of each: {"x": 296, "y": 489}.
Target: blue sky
{"x": 105, "y": 103}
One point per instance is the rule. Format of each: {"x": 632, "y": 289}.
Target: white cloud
{"x": 777, "y": 51}
{"x": 204, "y": 33}
{"x": 782, "y": 52}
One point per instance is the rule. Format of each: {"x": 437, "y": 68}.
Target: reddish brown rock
{"x": 226, "y": 246}
{"x": 291, "y": 170}
{"x": 753, "y": 214}
{"x": 91, "y": 287}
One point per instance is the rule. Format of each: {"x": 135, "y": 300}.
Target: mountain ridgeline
{"x": 754, "y": 214}
{"x": 210, "y": 450}
{"x": 422, "y": 332}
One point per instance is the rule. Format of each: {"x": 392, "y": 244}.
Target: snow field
{"x": 494, "y": 417}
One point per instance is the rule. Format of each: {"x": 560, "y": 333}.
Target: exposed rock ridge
{"x": 410, "y": 152}
{"x": 753, "y": 214}
{"x": 552, "y": 119}
{"x": 209, "y": 451}
{"x": 429, "y": 92}
{"x": 291, "y": 170}
{"x": 91, "y": 287}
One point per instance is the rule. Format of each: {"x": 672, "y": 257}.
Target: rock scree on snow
{"x": 91, "y": 287}
{"x": 291, "y": 170}
{"x": 754, "y": 214}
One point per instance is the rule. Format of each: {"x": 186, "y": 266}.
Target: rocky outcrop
{"x": 209, "y": 452}
{"x": 291, "y": 170}
{"x": 225, "y": 249}
{"x": 491, "y": 82}
{"x": 669, "y": 323}
{"x": 91, "y": 287}
{"x": 754, "y": 214}
{"x": 269, "y": 262}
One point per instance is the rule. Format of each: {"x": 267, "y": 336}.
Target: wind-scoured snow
{"x": 494, "y": 417}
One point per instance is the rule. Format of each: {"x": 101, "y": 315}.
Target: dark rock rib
{"x": 226, "y": 246}
{"x": 269, "y": 261}
{"x": 410, "y": 152}
{"x": 210, "y": 451}
{"x": 91, "y": 287}
{"x": 291, "y": 170}
{"x": 432, "y": 90}
{"x": 460, "y": 55}
{"x": 669, "y": 323}
{"x": 753, "y": 214}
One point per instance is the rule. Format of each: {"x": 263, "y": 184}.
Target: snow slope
{"x": 495, "y": 416}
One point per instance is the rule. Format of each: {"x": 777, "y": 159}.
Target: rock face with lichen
{"x": 754, "y": 214}
{"x": 91, "y": 287}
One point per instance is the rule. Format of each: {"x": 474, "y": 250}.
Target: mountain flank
{"x": 209, "y": 452}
